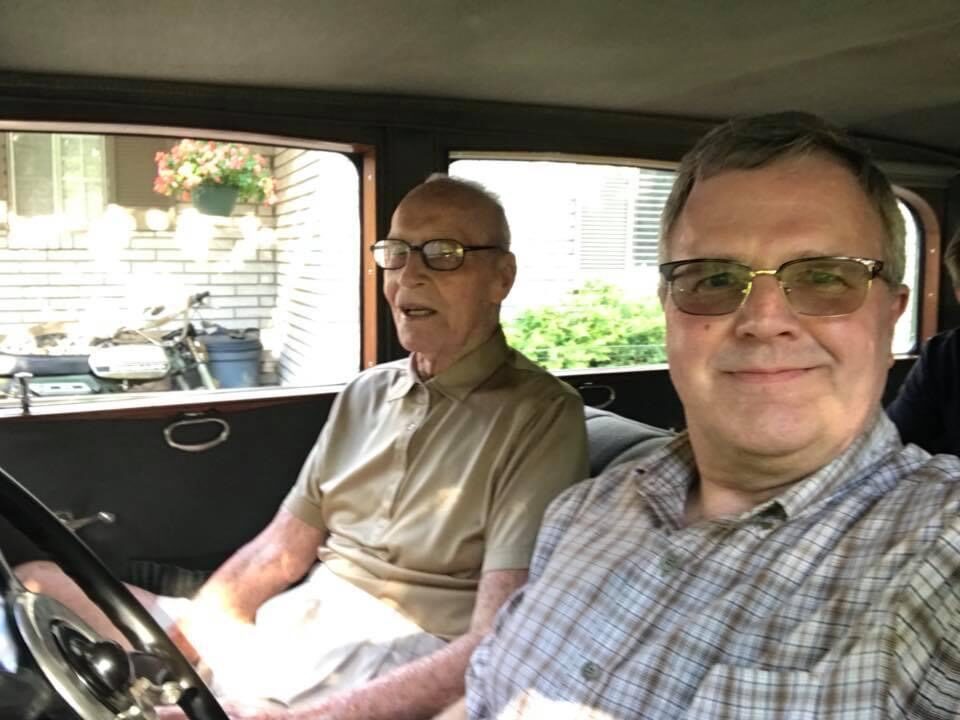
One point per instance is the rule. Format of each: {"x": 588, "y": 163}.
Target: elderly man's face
{"x": 442, "y": 315}
{"x": 765, "y": 380}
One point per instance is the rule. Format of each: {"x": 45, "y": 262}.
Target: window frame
{"x": 413, "y": 137}
{"x": 930, "y": 260}
{"x": 364, "y": 157}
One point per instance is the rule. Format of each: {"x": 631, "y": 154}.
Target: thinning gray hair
{"x": 460, "y": 189}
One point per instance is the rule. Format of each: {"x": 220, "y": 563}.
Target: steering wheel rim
{"x": 25, "y": 512}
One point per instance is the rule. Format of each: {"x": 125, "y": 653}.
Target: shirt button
{"x": 669, "y": 563}
{"x": 590, "y": 671}
{"x": 411, "y": 427}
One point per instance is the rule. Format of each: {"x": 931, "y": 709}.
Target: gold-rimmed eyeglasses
{"x": 823, "y": 286}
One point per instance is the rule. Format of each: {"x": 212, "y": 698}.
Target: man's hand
{"x": 179, "y": 640}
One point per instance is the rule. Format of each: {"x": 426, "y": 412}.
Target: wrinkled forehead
{"x": 427, "y": 216}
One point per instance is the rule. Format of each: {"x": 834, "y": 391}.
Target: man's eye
{"x": 824, "y": 279}
{"x": 717, "y": 281}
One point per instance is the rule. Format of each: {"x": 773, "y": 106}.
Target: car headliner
{"x": 886, "y": 69}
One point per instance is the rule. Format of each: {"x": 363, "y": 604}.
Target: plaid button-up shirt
{"x": 840, "y": 598}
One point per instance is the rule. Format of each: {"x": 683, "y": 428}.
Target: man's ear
{"x": 506, "y": 273}
{"x": 901, "y": 294}
{"x": 662, "y": 294}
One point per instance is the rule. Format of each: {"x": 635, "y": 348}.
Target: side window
{"x": 106, "y": 240}
{"x": 905, "y": 335}
{"x": 585, "y": 237}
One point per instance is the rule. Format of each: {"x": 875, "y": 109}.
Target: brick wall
{"x": 317, "y": 332}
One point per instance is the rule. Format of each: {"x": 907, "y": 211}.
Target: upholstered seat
{"x": 613, "y": 439}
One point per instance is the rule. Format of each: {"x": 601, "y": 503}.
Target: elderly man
{"x": 787, "y": 556}
{"x": 421, "y": 498}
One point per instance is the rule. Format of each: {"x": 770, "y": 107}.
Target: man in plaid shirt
{"x": 786, "y": 556}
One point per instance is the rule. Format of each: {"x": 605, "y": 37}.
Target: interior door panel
{"x": 173, "y": 508}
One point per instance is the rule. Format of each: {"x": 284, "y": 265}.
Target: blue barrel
{"x": 234, "y": 357}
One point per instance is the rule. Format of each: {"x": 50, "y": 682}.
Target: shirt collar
{"x": 847, "y": 470}
{"x": 665, "y": 476}
{"x": 461, "y": 378}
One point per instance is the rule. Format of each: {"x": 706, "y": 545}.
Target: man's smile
{"x": 416, "y": 311}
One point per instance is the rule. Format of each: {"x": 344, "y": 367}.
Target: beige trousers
{"x": 322, "y": 636}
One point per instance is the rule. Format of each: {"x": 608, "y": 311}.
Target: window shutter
{"x": 653, "y": 188}
{"x": 135, "y": 170}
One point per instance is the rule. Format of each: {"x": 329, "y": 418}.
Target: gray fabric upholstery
{"x": 613, "y": 439}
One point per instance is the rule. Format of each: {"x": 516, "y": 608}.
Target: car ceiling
{"x": 886, "y": 69}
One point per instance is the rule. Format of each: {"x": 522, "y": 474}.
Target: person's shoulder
{"x": 535, "y": 378}
{"x": 943, "y": 345}
{"x": 928, "y": 479}
{"x": 595, "y": 495}
{"x": 383, "y": 375}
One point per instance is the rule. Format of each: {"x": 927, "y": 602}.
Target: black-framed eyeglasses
{"x": 440, "y": 254}
{"x": 823, "y": 286}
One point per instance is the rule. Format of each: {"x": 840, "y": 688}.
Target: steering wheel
{"x": 95, "y": 676}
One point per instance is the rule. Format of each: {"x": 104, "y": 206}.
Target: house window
{"x": 61, "y": 176}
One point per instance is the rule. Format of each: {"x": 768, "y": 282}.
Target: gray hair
{"x": 460, "y": 189}
{"x": 753, "y": 142}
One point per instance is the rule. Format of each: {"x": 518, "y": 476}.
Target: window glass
{"x": 585, "y": 237}
{"x": 905, "y": 334}
{"x": 106, "y": 239}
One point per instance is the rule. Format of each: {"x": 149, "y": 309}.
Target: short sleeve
{"x": 305, "y": 499}
{"x": 549, "y": 456}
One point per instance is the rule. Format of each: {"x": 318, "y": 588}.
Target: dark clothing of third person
{"x": 927, "y": 408}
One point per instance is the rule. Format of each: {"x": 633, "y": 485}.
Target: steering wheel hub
{"x": 71, "y": 656}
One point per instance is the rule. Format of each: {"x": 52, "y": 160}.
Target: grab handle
{"x": 193, "y": 419}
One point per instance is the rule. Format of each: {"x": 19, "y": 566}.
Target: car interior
{"x": 352, "y": 104}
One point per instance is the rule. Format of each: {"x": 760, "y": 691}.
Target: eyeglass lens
{"x": 437, "y": 254}
{"x": 815, "y": 286}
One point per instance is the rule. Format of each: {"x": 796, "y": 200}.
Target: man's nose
{"x": 414, "y": 271}
{"x": 766, "y": 312}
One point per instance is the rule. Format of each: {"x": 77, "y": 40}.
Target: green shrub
{"x": 596, "y": 327}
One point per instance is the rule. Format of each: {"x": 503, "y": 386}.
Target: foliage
{"x": 191, "y": 163}
{"x": 597, "y": 327}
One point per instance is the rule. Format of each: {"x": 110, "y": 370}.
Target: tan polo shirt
{"x": 422, "y": 486}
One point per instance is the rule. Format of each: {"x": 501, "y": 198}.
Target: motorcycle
{"x": 148, "y": 357}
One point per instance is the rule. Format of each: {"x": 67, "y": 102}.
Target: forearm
{"x": 244, "y": 582}
{"x": 420, "y": 689}
{"x": 264, "y": 567}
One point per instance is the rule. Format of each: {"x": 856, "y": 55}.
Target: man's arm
{"x": 424, "y": 687}
{"x": 275, "y": 559}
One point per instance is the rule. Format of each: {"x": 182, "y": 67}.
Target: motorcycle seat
{"x": 43, "y": 365}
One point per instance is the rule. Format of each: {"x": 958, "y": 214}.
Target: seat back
{"x": 613, "y": 439}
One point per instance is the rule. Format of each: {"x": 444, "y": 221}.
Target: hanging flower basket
{"x": 214, "y": 175}
{"x": 212, "y": 199}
